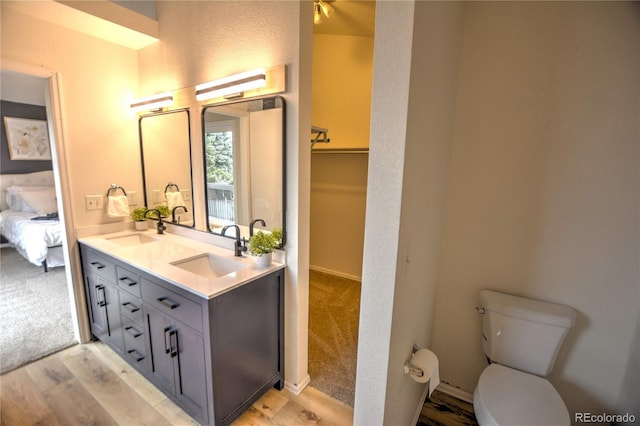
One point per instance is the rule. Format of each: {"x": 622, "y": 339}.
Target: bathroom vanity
{"x": 205, "y": 327}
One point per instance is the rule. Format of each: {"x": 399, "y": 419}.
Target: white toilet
{"x": 521, "y": 338}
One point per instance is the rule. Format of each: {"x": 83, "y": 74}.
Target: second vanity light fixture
{"x": 153, "y": 102}
{"x": 232, "y": 86}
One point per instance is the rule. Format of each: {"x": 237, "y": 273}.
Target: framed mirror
{"x": 165, "y": 145}
{"x": 244, "y": 163}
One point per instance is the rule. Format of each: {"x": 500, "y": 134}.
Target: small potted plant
{"x": 139, "y": 219}
{"x": 262, "y": 244}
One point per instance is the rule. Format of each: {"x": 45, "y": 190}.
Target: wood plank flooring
{"x": 445, "y": 410}
{"x": 91, "y": 385}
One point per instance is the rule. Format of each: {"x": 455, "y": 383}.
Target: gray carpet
{"x": 334, "y": 310}
{"x": 35, "y": 314}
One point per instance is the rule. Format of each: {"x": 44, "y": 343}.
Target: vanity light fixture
{"x": 232, "y": 86}
{"x": 152, "y": 102}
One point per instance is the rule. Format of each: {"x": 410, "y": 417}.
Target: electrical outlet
{"x": 93, "y": 202}
{"x": 132, "y": 198}
{"x": 186, "y": 194}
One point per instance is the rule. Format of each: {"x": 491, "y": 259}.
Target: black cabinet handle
{"x": 131, "y": 307}
{"x": 136, "y": 355}
{"x": 168, "y": 302}
{"x": 167, "y": 344}
{"x": 174, "y": 348}
{"x": 97, "y": 265}
{"x": 128, "y": 281}
{"x": 132, "y": 331}
{"x": 100, "y": 301}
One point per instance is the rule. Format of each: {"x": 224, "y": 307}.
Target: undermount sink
{"x": 132, "y": 239}
{"x": 209, "y": 266}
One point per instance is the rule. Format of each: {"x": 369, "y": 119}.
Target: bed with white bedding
{"x": 24, "y": 197}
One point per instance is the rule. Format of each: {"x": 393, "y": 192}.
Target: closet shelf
{"x": 341, "y": 151}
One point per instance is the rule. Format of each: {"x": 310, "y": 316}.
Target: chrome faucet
{"x": 253, "y": 222}
{"x": 160, "y": 226}
{"x": 238, "y": 245}
{"x": 173, "y": 213}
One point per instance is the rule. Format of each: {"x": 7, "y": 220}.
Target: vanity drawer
{"x": 128, "y": 281}
{"x": 131, "y": 307}
{"x": 134, "y": 343}
{"x": 99, "y": 265}
{"x": 173, "y": 304}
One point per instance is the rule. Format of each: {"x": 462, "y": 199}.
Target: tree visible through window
{"x": 219, "y": 157}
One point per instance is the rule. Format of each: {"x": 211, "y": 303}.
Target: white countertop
{"x": 156, "y": 257}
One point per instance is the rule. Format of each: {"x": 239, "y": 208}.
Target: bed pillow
{"x": 39, "y": 202}
{"x": 14, "y": 200}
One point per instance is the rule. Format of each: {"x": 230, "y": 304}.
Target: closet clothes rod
{"x": 341, "y": 151}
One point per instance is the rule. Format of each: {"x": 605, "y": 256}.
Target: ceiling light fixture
{"x": 152, "y": 102}
{"x": 320, "y": 8}
{"x": 232, "y": 86}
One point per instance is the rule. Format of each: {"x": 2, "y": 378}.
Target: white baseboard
{"x": 456, "y": 392}
{"x": 416, "y": 417}
{"x": 297, "y": 389}
{"x": 336, "y": 273}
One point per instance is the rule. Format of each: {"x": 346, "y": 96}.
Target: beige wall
{"x": 414, "y": 93}
{"x": 342, "y": 71}
{"x": 97, "y": 80}
{"x": 338, "y": 197}
{"x": 543, "y": 198}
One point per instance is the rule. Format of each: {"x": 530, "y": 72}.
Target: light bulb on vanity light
{"x": 235, "y": 84}
{"x": 153, "y": 102}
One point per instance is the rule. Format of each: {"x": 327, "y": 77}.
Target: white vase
{"x": 264, "y": 260}
{"x": 141, "y": 225}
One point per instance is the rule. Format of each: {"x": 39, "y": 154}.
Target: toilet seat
{"x": 505, "y": 396}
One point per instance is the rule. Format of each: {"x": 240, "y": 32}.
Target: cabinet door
{"x": 177, "y": 362}
{"x": 246, "y": 342}
{"x": 160, "y": 335}
{"x": 191, "y": 387}
{"x": 112, "y": 313}
{"x": 97, "y": 313}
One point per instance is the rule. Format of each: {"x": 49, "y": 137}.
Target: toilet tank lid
{"x": 527, "y": 309}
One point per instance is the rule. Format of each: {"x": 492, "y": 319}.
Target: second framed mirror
{"x": 244, "y": 164}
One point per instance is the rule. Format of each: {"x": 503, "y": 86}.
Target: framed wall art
{"x": 28, "y": 139}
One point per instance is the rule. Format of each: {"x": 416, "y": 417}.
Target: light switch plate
{"x": 93, "y": 202}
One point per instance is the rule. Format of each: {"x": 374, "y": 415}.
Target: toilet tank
{"x": 522, "y": 333}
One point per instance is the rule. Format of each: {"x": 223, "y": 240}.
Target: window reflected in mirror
{"x": 244, "y": 164}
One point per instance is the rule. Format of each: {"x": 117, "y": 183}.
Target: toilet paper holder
{"x": 409, "y": 368}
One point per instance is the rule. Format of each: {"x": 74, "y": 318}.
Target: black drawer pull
{"x": 128, "y": 281}
{"x": 168, "y": 302}
{"x": 132, "y": 331}
{"x": 131, "y": 307}
{"x": 97, "y": 265}
{"x": 136, "y": 355}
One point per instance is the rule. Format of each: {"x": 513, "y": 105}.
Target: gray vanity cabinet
{"x": 213, "y": 357}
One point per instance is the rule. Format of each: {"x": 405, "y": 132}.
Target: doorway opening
{"x": 36, "y": 293}
{"x": 341, "y": 104}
